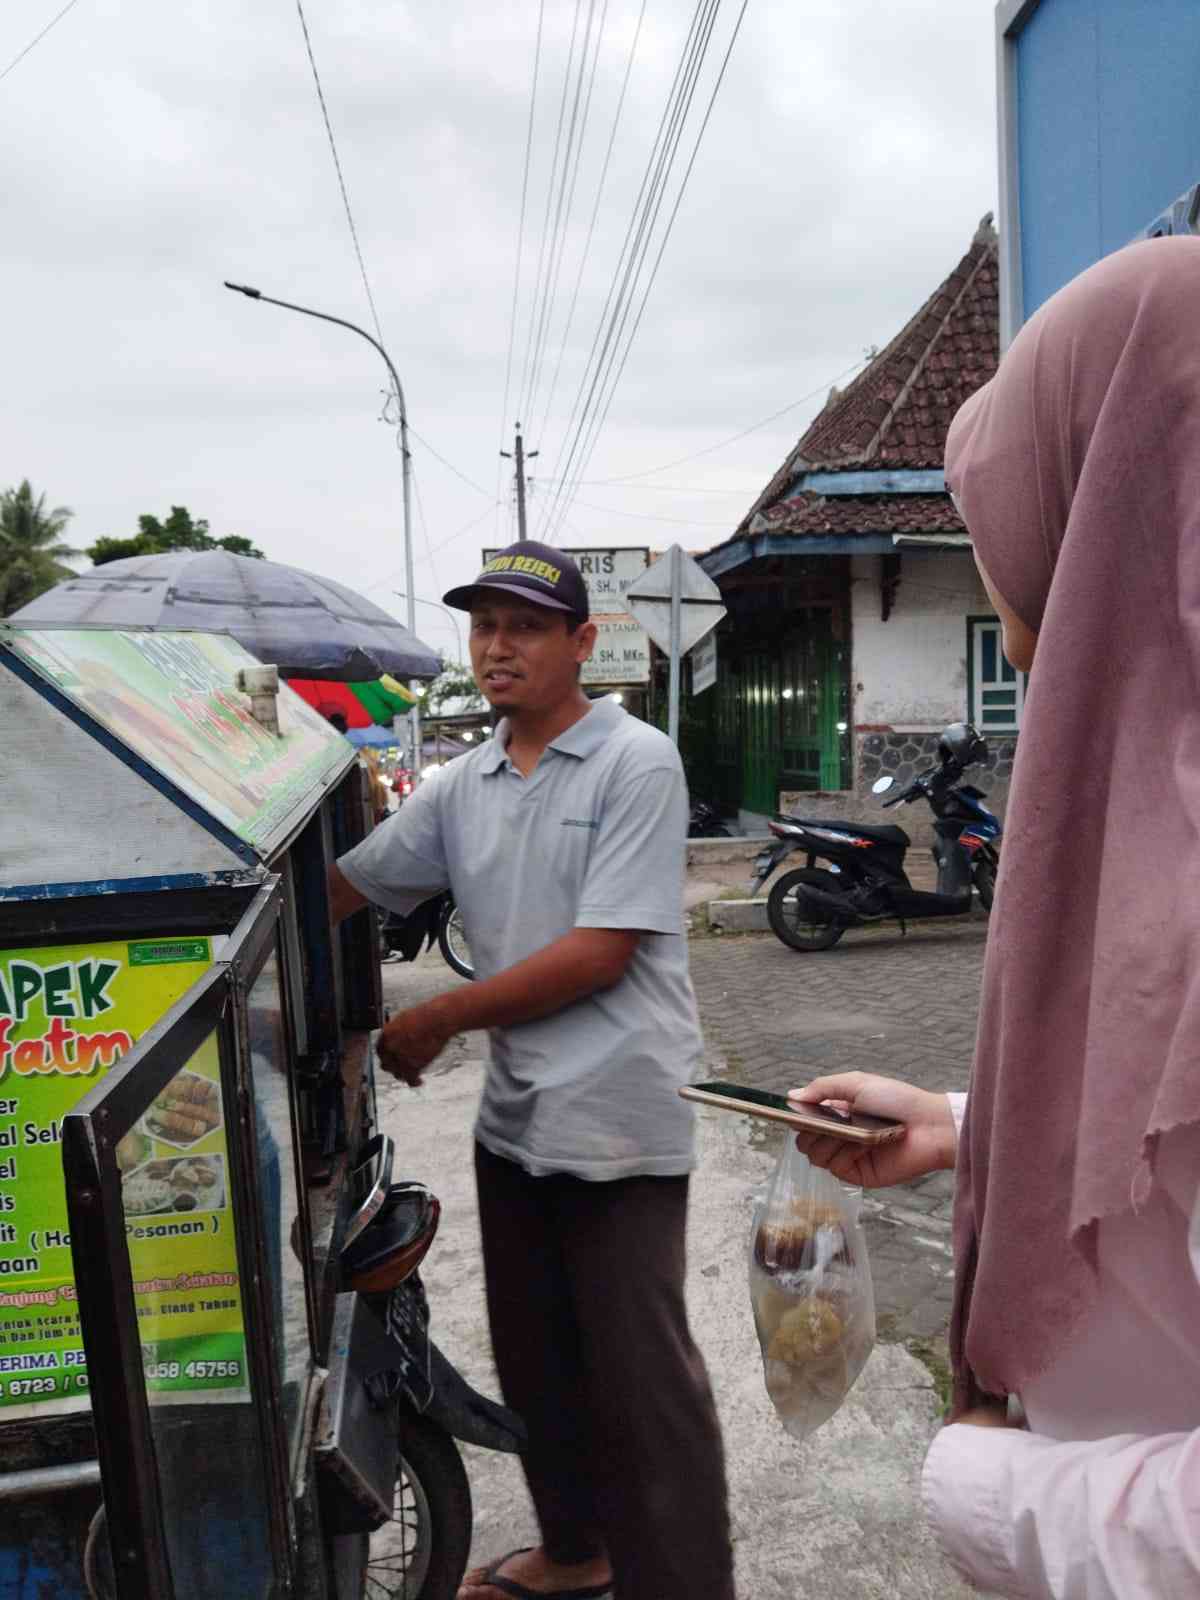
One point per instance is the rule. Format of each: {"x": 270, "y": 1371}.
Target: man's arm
{"x": 344, "y": 898}
{"x": 581, "y": 963}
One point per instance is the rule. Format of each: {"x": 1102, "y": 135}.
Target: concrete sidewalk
{"x": 837, "y": 1518}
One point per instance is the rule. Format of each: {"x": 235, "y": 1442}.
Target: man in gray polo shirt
{"x": 563, "y": 839}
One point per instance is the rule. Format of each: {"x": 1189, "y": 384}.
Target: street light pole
{"x": 406, "y": 475}
{"x": 437, "y": 606}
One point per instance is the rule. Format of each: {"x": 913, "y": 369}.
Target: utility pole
{"x": 521, "y": 459}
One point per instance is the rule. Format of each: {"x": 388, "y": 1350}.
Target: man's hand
{"x": 411, "y": 1040}
{"x": 928, "y": 1143}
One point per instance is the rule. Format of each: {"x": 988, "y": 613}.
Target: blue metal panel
{"x": 908, "y": 480}
{"x": 1107, "y": 131}
{"x": 752, "y": 548}
{"x": 182, "y": 880}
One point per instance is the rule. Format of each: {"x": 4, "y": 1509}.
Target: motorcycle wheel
{"x": 803, "y": 928}
{"x": 985, "y": 881}
{"x": 452, "y": 941}
{"x": 421, "y": 1554}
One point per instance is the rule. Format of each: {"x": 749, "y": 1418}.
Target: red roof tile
{"x": 897, "y": 412}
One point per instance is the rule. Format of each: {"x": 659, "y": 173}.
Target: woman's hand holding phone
{"x": 929, "y": 1142}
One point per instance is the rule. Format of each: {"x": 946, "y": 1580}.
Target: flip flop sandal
{"x": 518, "y": 1591}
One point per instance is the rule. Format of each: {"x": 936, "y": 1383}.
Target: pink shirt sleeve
{"x": 1034, "y": 1519}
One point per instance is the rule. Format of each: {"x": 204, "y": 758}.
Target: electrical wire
{"x": 449, "y": 465}
{"x": 733, "y": 438}
{"x": 537, "y": 281}
{"x": 563, "y": 217}
{"x": 362, "y": 265}
{"x": 587, "y": 247}
{"x": 637, "y": 238}
{"x": 21, "y": 54}
{"x": 602, "y": 415}
{"x": 512, "y": 319}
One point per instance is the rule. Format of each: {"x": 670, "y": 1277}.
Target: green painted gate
{"x": 792, "y": 705}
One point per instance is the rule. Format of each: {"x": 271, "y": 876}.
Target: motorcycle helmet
{"x": 959, "y": 745}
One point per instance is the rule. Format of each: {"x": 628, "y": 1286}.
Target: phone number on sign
{"x": 196, "y": 1370}
{"x": 39, "y": 1388}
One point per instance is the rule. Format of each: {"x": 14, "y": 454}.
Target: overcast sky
{"x": 151, "y": 151}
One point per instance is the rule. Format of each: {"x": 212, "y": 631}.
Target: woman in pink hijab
{"x": 1077, "y": 1223}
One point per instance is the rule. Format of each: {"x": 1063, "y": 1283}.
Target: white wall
{"x": 910, "y": 672}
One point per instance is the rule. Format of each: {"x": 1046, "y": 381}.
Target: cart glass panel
{"x": 284, "y": 1215}
{"x": 179, "y": 1208}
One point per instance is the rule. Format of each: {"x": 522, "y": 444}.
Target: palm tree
{"x": 31, "y": 548}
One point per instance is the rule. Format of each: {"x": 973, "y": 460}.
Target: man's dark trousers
{"x": 585, "y": 1286}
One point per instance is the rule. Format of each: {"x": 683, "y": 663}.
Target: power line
{"x": 615, "y": 313}
{"x": 449, "y": 465}
{"x": 362, "y": 266}
{"x": 665, "y": 238}
{"x": 587, "y": 246}
{"x": 21, "y": 54}
{"x": 733, "y": 438}
{"x": 573, "y": 159}
{"x": 647, "y": 516}
{"x": 537, "y": 281}
{"x": 512, "y": 320}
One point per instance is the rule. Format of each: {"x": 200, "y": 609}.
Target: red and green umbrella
{"x": 361, "y": 704}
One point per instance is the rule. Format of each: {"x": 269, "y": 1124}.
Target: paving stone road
{"x": 775, "y": 1018}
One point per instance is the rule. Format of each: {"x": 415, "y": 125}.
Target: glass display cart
{"x": 186, "y": 1129}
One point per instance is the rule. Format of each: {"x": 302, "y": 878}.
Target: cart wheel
{"x": 452, "y": 941}
{"x": 421, "y": 1554}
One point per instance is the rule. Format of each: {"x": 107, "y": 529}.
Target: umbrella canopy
{"x": 308, "y": 627}
{"x": 360, "y": 704}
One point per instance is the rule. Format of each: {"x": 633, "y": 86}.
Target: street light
{"x": 438, "y": 607}
{"x": 406, "y": 471}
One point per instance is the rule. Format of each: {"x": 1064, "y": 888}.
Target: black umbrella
{"x": 308, "y": 627}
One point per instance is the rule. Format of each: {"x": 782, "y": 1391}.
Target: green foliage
{"x": 456, "y": 683}
{"x": 31, "y": 548}
{"x": 178, "y": 531}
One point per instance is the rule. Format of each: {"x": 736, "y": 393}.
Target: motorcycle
{"x": 440, "y": 919}
{"x": 705, "y": 822}
{"x": 811, "y": 907}
{"x": 421, "y": 1552}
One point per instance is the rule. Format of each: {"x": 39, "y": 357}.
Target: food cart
{"x": 185, "y": 1109}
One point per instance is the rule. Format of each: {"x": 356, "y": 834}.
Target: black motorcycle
{"x": 403, "y": 938}
{"x": 705, "y": 822}
{"x": 865, "y": 882}
{"x": 421, "y": 1551}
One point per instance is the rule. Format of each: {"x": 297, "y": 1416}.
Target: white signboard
{"x": 607, "y": 573}
{"x": 622, "y": 653}
{"x": 704, "y": 664}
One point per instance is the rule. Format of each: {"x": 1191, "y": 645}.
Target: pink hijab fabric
{"x": 1077, "y": 470}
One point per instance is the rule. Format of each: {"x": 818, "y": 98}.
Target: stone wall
{"x": 902, "y": 756}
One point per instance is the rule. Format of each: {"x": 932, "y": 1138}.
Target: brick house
{"x": 857, "y": 624}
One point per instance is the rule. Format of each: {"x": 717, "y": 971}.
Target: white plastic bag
{"x": 810, "y": 1287}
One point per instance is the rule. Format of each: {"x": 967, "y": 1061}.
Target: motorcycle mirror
{"x": 882, "y": 785}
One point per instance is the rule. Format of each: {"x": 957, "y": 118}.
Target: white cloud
{"x": 152, "y": 151}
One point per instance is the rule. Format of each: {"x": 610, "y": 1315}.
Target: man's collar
{"x": 579, "y": 740}
{"x": 590, "y": 732}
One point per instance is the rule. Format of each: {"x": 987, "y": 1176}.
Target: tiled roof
{"x": 878, "y": 513}
{"x": 897, "y": 412}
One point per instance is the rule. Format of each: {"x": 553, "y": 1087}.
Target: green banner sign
{"x": 67, "y": 1016}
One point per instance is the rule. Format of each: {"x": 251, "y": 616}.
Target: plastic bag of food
{"x": 810, "y": 1287}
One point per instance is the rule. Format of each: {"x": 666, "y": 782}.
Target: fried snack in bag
{"x": 810, "y": 1287}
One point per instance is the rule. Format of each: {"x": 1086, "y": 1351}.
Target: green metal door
{"x": 810, "y": 706}
{"x": 760, "y": 732}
